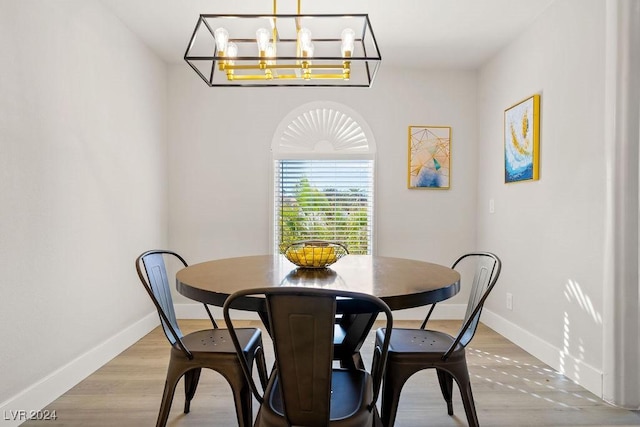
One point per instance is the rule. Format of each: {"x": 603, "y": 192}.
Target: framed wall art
{"x": 429, "y": 157}
{"x": 522, "y": 141}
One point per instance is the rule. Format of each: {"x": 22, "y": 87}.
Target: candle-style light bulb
{"x": 222, "y": 39}
{"x": 304, "y": 36}
{"x": 348, "y": 35}
{"x": 348, "y": 42}
{"x": 307, "y": 51}
{"x": 271, "y": 51}
{"x": 262, "y": 38}
{"x": 270, "y": 54}
{"x": 232, "y": 50}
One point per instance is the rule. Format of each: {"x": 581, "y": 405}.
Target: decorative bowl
{"x": 315, "y": 253}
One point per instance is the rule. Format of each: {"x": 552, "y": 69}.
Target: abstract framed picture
{"x": 522, "y": 141}
{"x": 429, "y": 157}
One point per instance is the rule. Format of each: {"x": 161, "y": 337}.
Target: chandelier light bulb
{"x": 304, "y": 37}
{"x": 262, "y": 38}
{"x": 348, "y": 36}
{"x": 271, "y": 51}
{"x": 222, "y": 38}
{"x": 348, "y": 42}
{"x": 270, "y": 54}
{"x": 347, "y": 49}
{"x": 307, "y": 51}
{"x": 232, "y": 50}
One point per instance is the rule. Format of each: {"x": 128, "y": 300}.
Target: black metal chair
{"x": 305, "y": 389}
{"x": 412, "y": 350}
{"x": 210, "y": 348}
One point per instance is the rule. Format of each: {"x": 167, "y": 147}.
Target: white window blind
{"x": 324, "y": 199}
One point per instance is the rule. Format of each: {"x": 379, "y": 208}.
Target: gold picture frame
{"x": 522, "y": 141}
{"x": 429, "y": 157}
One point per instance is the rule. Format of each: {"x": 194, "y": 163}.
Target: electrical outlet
{"x": 509, "y": 301}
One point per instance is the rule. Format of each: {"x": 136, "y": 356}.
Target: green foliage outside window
{"x": 340, "y": 215}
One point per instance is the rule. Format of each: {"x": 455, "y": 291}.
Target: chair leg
{"x": 446, "y": 386}
{"x": 461, "y": 374}
{"x": 190, "y": 385}
{"x": 469, "y": 405}
{"x": 167, "y": 396}
{"x": 243, "y": 399}
{"x": 391, "y": 389}
{"x": 377, "y": 421}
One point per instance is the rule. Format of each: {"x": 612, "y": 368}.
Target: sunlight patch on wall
{"x": 573, "y": 291}
{"x": 574, "y": 294}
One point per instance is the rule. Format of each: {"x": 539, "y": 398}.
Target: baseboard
{"x": 444, "y": 311}
{"x": 589, "y": 377}
{"x": 196, "y": 311}
{"x": 441, "y": 312}
{"x": 16, "y": 409}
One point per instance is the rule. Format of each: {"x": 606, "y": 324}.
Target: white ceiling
{"x": 420, "y": 33}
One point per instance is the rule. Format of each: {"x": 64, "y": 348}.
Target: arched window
{"x": 324, "y": 177}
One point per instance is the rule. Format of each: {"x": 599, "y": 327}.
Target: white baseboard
{"x": 443, "y": 311}
{"x": 573, "y": 368}
{"x": 197, "y": 311}
{"x": 37, "y": 396}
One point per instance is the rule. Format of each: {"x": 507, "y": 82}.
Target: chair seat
{"x": 420, "y": 342}
{"x": 350, "y": 392}
{"x": 349, "y": 389}
{"x": 219, "y": 341}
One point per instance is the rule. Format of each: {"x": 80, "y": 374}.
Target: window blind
{"x": 324, "y": 199}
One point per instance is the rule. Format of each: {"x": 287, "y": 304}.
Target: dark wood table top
{"x": 401, "y": 283}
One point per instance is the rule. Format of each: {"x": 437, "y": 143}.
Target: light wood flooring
{"x": 511, "y": 388}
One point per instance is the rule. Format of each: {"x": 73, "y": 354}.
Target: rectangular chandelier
{"x": 284, "y": 50}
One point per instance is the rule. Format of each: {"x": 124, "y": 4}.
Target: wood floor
{"x": 511, "y": 388}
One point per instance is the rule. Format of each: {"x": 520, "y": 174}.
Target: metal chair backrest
{"x": 156, "y": 283}
{"x": 301, "y": 324}
{"x": 486, "y": 273}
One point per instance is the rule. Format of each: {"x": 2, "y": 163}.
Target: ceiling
{"x": 460, "y": 34}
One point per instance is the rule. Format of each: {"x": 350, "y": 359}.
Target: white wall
{"x": 221, "y": 166}
{"x": 83, "y": 188}
{"x": 550, "y": 233}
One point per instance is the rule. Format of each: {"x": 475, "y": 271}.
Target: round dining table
{"x": 401, "y": 283}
